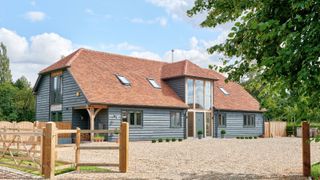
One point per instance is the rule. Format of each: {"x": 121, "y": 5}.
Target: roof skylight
{"x": 123, "y": 80}
{"x": 225, "y": 92}
{"x": 154, "y": 83}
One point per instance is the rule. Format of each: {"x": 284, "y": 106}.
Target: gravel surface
{"x": 275, "y": 158}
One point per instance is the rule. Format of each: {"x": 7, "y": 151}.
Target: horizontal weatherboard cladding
{"x": 70, "y": 99}
{"x": 42, "y": 99}
{"x": 178, "y": 85}
{"x": 234, "y": 124}
{"x": 156, "y": 123}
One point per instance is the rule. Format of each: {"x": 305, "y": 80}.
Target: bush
{"x": 223, "y": 131}
{"x": 160, "y": 140}
{"x": 290, "y": 129}
{"x": 179, "y": 139}
{"x": 250, "y": 137}
{"x": 241, "y": 137}
{"x": 167, "y": 140}
{"x": 246, "y": 137}
{"x": 173, "y": 139}
{"x": 238, "y": 137}
{"x": 200, "y": 132}
{"x": 255, "y": 137}
{"x": 153, "y": 141}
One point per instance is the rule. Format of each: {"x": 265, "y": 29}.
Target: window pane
{"x": 154, "y": 83}
{"x": 178, "y": 120}
{"x": 208, "y": 98}
{"x": 138, "y": 118}
{"x": 190, "y": 92}
{"x": 225, "y": 92}
{"x": 123, "y": 80}
{"x": 199, "y": 94}
{"x": 131, "y": 116}
{"x": 244, "y": 120}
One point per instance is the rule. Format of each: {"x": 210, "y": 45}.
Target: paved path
{"x": 8, "y": 173}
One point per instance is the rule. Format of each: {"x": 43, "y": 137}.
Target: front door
{"x": 190, "y": 124}
{"x": 199, "y": 122}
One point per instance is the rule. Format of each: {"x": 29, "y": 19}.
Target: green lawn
{"x": 57, "y": 172}
{"x": 315, "y": 170}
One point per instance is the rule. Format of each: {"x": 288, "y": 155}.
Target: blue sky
{"x": 37, "y": 33}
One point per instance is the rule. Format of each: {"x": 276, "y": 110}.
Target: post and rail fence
{"x": 38, "y": 145}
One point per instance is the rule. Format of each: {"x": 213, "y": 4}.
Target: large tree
{"x": 5, "y": 73}
{"x": 277, "y": 39}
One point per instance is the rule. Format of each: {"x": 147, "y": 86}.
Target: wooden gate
{"x": 275, "y": 129}
{"x": 20, "y": 145}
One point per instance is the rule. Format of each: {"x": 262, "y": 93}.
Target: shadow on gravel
{"x": 232, "y": 176}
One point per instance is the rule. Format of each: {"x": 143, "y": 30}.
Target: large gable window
{"x": 175, "y": 120}
{"x": 154, "y": 83}
{"x": 123, "y": 80}
{"x": 56, "y": 89}
{"x": 199, "y": 94}
{"x": 249, "y": 120}
{"x": 133, "y": 117}
{"x": 190, "y": 92}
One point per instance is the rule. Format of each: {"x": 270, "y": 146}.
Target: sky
{"x": 37, "y": 33}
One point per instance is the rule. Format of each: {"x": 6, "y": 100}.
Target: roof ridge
{"x": 74, "y": 56}
{"x": 127, "y": 56}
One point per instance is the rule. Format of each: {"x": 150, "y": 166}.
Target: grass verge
{"x": 315, "y": 170}
{"x": 57, "y": 172}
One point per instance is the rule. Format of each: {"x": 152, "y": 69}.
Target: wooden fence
{"x": 27, "y": 142}
{"x": 275, "y": 129}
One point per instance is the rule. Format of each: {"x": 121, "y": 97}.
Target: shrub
{"x": 200, "y": 132}
{"x": 160, "y": 140}
{"x": 153, "y": 141}
{"x": 255, "y": 137}
{"x": 250, "y": 137}
{"x": 223, "y": 131}
{"x": 173, "y": 139}
{"x": 246, "y": 137}
{"x": 241, "y": 137}
{"x": 238, "y": 137}
{"x": 290, "y": 129}
{"x": 167, "y": 140}
{"x": 179, "y": 139}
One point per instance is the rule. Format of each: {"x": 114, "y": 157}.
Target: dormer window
{"x": 123, "y": 80}
{"x": 154, "y": 83}
{"x": 225, "y": 92}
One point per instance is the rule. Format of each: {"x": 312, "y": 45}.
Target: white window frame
{"x": 123, "y": 80}
{"x": 154, "y": 83}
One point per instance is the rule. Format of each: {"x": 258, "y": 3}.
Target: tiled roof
{"x": 95, "y": 72}
{"x": 238, "y": 98}
{"x": 185, "y": 68}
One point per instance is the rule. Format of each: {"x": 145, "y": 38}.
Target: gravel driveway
{"x": 202, "y": 159}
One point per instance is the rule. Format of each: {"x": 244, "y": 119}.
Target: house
{"x": 97, "y": 90}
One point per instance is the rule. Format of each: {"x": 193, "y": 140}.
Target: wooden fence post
{"x": 48, "y": 150}
{"x": 123, "y": 147}
{"x": 77, "y": 155}
{"x": 306, "y": 149}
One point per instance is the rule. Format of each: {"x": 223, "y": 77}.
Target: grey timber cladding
{"x": 156, "y": 123}
{"x": 178, "y": 85}
{"x": 234, "y": 125}
{"x": 42, "y": 99}
{"x": 70, "y": 100}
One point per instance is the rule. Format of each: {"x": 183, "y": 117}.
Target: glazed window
{"x": 199, "y": 84}
{"x": 190, "y": 92}
{"x": 56, "y": 89}
{"x": 249, "y": 120}
{"x": 154, "y": 83}
{"x": 56, "y": 116}
{"x": 133, "y": 117}
{"x": 222, "y": 120}
{"x": 225, "y": 92}
{"x": 175, "y": 120}
{"x": 123, "y": 80}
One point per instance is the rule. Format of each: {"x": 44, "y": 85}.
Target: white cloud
{"x": 145, "y": 54}
{"x": 89, "y": 11}
{"x": 35, "y": 16}
{"x": 123, "y": 46}
{"x": 176, "y": 8}
{"x": 159, "y": 20}
{"x": 28, "y": 57}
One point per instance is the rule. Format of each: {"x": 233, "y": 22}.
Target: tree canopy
{"x": 17, "y": 102}
{"x": 278, "y": 40}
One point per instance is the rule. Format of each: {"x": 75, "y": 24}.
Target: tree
{"x": 5, "y": 73}
{"x": 277, "y": 39}
{"x": 22, "y": 83}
